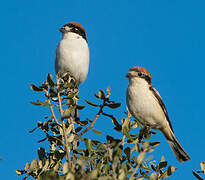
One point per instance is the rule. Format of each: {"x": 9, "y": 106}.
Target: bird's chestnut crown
{"x": 75, "y": 28}
{"x": 140, "y": 72}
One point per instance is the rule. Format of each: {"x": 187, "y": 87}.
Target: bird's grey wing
{"x": 158, "y": 97}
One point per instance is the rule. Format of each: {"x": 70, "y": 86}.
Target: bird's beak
{"x": 62, "y": 30}
{"x": 127, "y": 75}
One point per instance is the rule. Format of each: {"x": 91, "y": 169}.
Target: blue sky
{"x": 166, "y": 37}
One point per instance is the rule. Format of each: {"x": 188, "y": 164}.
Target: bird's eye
{"x": 76, "y": 29}
{"x": 139, "y": 74}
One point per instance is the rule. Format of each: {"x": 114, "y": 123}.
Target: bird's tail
{"x": 176, "y": 147}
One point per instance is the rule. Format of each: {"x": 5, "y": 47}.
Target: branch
{"x": 51, "y": 107}
{"x": 89, "y": 127}
{"x": 92, "y": 124}
{"x": 64, "y": 130}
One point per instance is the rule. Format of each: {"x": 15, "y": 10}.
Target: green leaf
{"x": 68, "y": 112}
{"x": 96, "y": 95}
{"x": 71, "y": 138}
{"x": 26, "y": 168}
{"x": 80, "y": 107}
{"x": 162, "y": 158}
{"x": 34, "y": 165}
{"x": 88, "y": 144}
{"x": 114, "y": 105}
{"x": 95, "y": 142}
{"x": 162, "y": 165}
{"x": 141, "y": 157}
{"x": 197, "y": 175}
{"x": 101, "y": 147}
{"x": 117, "y": 124}
{"x": 49, "y": 80}
{"x": 81, "y": 123}
{"x": 108, "y": 91}
{"x": 36, "y": 103}
{"x": 105, "y": 168}
{"x": 153, "y": 167}
{"x": 20, "y": 172}
{"x": 52, "y": 92}
{"x": 36, "y": 88}
{"x": 91, "y": 103}
{"x": 122, "y": 174}
{"x": 154, "y": 144}
{"x": 96, "y": 131}
{"x": 67, "y": 85}
{"x": 42, "y": 140}
{"x": 70, "y": 176}
{"x": 40, "y": 103}
{"x": 126, "y": 132}
{"x": 134, "y": 158}
{"x": 101, "y": 94}
{"x": 170, "y": 170}
{"x": 65, "y": 168}
{"x": 153, "y": 176}
{"x": 109, "y": 138}
{"x": 41, "y": 153}
{"x": 127, "y": 151}
{"x": 125, "y": 127}
{"x": 72, "y": 95}
{"x": 78, "y": 129}
{"x": 134, "y": 126}
{"x": 93, "y": 174}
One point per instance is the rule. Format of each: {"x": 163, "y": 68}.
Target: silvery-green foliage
{"x": 72, "y": 154}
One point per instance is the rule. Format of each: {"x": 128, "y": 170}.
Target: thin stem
{"x": 51, "y": 108}
{"x": 92, "y": 124}
{"x": 139, "y": 162}
{"x": 135, "y": 171}
{"x": 89, "y": 127}
{"x": 66, "y": 145}
{"x": 123, "y": 140}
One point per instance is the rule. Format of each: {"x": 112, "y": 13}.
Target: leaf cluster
{"x": 71, "y": 155}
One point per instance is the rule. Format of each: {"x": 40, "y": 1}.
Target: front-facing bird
{"x": 72, "y": 53}
{"x": 146, "y": 105}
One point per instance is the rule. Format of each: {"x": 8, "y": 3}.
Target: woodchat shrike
{"x": 72, "y": 53}
{"x": 145, "y": 104}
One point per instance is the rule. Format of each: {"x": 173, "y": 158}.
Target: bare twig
{"x": 96, "y": 117}
{"x": 51, "y": 107}
{"x": 91, "y": 125}
{"x": 66, "y": 146}
{"x": 93, "y": 122}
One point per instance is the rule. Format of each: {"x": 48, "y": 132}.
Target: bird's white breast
{"x": 143, "y": 105}
{"x": 72, "y": 55}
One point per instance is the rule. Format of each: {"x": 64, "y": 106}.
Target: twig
{"x": 64, "y": 130}
{"x": 139, "y": 162}
{"x": 96, "y": 117}
{"x": 89, "y": 127}
{"x": 132, "y": 176}
{"x": 93, "y": 122}
{"x": 123, "y": 140}
{"x": 51, "y": 107}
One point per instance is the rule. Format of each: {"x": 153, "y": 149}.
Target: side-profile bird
{"x": 72, "y": 53}
{"x": 145, "y": 104}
